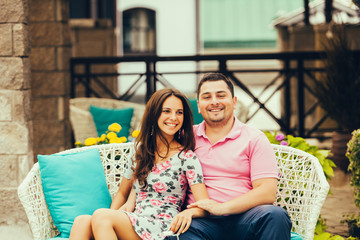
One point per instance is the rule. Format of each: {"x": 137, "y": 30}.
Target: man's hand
{"x": 213, "y": 207}
{"x": 181, "y": 222}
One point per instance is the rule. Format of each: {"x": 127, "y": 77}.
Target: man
{"x": 239, "y": 169}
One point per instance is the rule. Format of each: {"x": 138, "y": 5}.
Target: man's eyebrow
{"x": 222, "y": 91}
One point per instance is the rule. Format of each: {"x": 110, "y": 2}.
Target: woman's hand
{"x": 181, "y": 222}
{"x": 209, "y": 205}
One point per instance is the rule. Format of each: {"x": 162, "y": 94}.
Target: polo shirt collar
{"x": 234, "y": 133}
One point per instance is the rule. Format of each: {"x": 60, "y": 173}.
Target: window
{"x": 139, "y": 32}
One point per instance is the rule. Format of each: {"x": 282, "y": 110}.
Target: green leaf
{"x": 322, "y": 236}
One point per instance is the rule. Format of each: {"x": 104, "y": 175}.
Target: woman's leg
{"x": 109, "y": 224}
{"x": 81, "y": 229}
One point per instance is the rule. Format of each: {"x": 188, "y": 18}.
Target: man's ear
{"x": 235, "y": 101}
{"x": 197, "y": 102}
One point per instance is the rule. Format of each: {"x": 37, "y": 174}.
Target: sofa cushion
{"x": 73, "y": 184}
{"x": 103, "y": 117}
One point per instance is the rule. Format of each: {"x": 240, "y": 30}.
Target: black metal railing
{"x": 298, "y": 68}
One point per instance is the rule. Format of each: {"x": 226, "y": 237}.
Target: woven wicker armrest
{"x": 302, "y": 188}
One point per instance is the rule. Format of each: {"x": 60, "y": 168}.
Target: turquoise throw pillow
{"x": 103, "y": 117}
{"x": 74, "y": 184}
{"x": 198, "y": 118}
{"x": 295, "y": 236}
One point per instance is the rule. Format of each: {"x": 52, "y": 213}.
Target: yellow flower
{"x": 90, "y": 141}
{"x": 123, "y": 139}
{"x": 115, "y": 127}
{"x": 102, "y": 137}
{"x": 78, "y": 143}
{"x": 111, "y": 135}
{"x": 135, "y": 133}
{"x": 113, "y": 140}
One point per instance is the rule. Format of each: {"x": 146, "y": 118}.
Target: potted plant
{"x": 353, "y": 154}
{"x": 338, "y": 90}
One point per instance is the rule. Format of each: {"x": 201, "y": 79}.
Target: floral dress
{"x": 161, "y": 201}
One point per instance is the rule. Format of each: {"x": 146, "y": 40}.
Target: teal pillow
{"x": 74, "y": 184}
{"x": 103, "y": 117}
{"x": 295, "y": 236}
{"x": 198, "y": 118}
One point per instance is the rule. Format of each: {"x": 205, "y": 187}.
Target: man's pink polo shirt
{"x": 231, "y": 164}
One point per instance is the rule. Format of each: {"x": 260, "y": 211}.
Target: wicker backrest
{"x": 82, "y": 122}
{"x": 302, "y": 187}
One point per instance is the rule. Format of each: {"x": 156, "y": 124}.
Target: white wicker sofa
{"x": 302, "y": 187}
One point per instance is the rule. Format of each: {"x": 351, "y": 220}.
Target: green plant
{"x": 300, "y": 143}
{"x": 353, "y": 154}
{"x": 338, "y": 89}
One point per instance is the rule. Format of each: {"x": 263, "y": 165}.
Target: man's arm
{"x": 263, "y": 192}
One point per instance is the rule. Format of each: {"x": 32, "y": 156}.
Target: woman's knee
{"x": 82, "y": 220}
{"x": 100, "y": 217}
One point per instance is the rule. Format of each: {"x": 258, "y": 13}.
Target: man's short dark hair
{"x": 212, "y": 77}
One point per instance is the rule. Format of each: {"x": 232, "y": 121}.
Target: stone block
{"x": 16, "y": 231}
{"x": 14, "y": 11}
{"x": 14, "y": 73}
{"x": 43, "y": 58}
{"x": 21, "y": 40}
{"x": 6, "y": 40}
{"x": 8, "y": 171}
{"x": 62, "y": 10}
{"x": 22, "y": 106}
{"x": 49, "y": 84}
{"x": 89, "y": 49}
{"x": 47, "y": 34}
{"x": 14, "y": 138}
{"x": 63, "y": 58}
{"x": 5, "y": 106}
{"x": 46, "y": 151}
{"x": 45, "y": 108}
{"x": 48, "y": 133}
{"x": 11, "y": 210}
{"x": 25, "y": 163}
{"x": 40, "y": 10}
{"x": 60, "y": 109}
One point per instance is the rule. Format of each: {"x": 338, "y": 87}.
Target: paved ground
{"x": 340, "y": 202}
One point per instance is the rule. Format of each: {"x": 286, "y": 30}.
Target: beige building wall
{"x": 50, "y": 58}
{"x": 35, "y": 52}
{"x": 16, "y": 145}
{"x": 94, "y": 38}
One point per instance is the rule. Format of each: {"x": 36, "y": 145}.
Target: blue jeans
{"x": 259, "y": 223}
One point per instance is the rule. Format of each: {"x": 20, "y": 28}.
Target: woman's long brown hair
{"x": 145, "y": 143}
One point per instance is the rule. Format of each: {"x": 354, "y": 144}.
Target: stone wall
{"x": 94, "y": 38}
{"x": 50, "y": 59}
{"x": 16, "y": 146}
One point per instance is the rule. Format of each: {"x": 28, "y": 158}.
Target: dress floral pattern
{"x": 161, "y": 201}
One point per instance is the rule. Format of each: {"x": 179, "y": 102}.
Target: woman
{"x": 164, "y": 167}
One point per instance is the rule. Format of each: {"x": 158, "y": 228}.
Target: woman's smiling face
{"x": 172, "y": 117}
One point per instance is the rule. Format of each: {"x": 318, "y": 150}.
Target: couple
{"x": 235, "y": 162}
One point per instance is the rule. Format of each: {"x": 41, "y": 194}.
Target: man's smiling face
{"x": 216, "y": 103}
